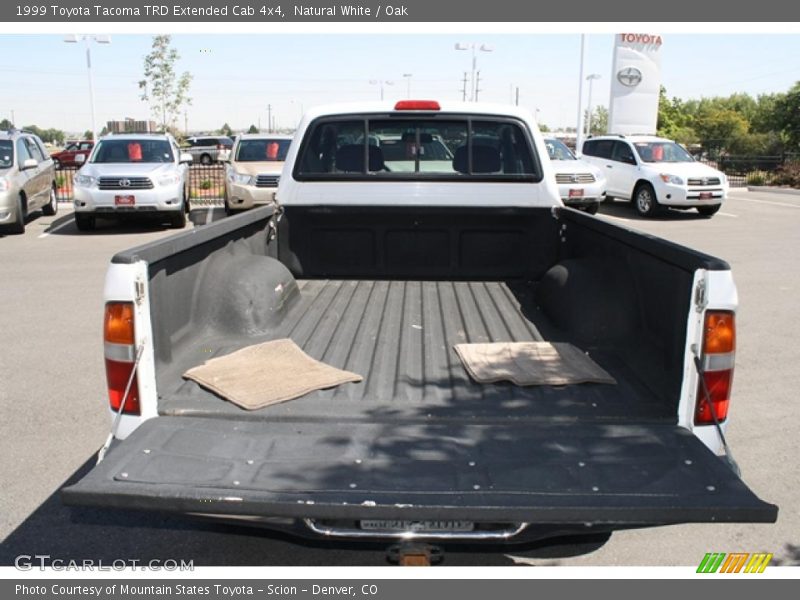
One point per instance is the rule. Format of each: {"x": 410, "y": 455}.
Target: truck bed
{"x": 399, "y": 335}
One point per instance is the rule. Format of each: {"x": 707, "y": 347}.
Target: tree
{"x": 5, "y": 125}
{"x": 543, "y": 128}
{"x": 599, "y": 120}
{"x": 253, "y": 129}
{"x": 166, "y": 91}
{"x": 718, "y": 128}
{"x": 225, "y": 130}
{"x": 787, "y": 111}
{"x": 88, "y": 134}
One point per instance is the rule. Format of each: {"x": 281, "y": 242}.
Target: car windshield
{"x": 558, "y": 150}
{"x": 133, "y": 151}
{"x": 6, "y": 154}
{"x": 262, "y": 150}
{"x": 658, "y": 152}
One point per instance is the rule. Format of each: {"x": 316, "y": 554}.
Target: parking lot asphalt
{"x": 52, "y": 404}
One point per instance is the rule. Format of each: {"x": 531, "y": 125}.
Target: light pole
{"x": 579, "y": 128}
{"x": 590, "y": 79}
{"x": 474, "y": 47}
{"x": 407, "y": 77}
{"x": 381, "y": 83}
{"x": 100, "y": 39}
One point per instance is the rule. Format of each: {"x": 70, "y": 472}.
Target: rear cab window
{"x": 441, "y": 147}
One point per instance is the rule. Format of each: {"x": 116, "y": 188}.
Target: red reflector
{"x": 417, "y": 105}
{"x": 117, "y": 375}
{"x": 719, "y": 389}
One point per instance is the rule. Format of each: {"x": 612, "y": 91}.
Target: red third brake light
{"x": 417, "y": 105}
{"x": 719, "y": 348}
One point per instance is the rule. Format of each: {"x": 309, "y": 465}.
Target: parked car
{"x": 27, "y": 180}
{"x": 580, "y": 184}
{"x": 66, "y": 157}
{"x": 253, "y": 170}
{"x": 382, "y": 273}
{"x": 207, "y": 150}
{"x": 133, "y": 174}
{"x": 654, "y": 172}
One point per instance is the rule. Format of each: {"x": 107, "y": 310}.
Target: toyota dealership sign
{"x": 635, "y": 83}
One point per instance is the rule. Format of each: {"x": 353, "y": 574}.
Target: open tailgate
{"x": 627, "y": 474}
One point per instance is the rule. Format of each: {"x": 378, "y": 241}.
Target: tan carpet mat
{"x": 268, "y": 373}
{"x": 530, "y": 363}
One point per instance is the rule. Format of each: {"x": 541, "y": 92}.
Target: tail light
{"x": 120, "y": 354}
{"x": 719, "y": 349}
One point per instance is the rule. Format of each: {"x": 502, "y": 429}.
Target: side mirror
{"x": 29, "y": 163}
{"x": 186, "y": 158}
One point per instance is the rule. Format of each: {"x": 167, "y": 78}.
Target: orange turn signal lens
{"x": 118, "y": 323}
{"x": 720, "y": 332}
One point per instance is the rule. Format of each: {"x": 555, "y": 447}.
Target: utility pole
{"x": 516, "y": 101}
{"x": 477, "y": 85}
{"x": 14, "y": 121}
{"x": 464, "y": 88}
{"x": 269, "y": 117}
{"x": 579, "y": 128}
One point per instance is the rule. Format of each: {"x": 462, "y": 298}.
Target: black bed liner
{"x": 399, "y": 335}
{"x": 620, "y": 475}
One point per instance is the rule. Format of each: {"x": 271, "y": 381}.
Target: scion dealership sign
{"x": 635, "y": 83}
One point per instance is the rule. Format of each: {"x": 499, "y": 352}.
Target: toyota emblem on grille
{"x": 573, "y": 178}
{"x": 705, "y": 180}
{"x": 124, "y": 183}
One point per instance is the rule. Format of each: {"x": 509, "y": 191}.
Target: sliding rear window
{"x": 390, "y": 147}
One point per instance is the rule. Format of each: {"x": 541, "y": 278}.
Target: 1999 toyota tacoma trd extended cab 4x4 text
{"x": 381, "y": 269}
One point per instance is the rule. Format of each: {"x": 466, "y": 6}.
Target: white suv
{"x": 133, "y": 175}
{"x": 653, "y": 172}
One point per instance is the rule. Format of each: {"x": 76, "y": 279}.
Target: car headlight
{"x": 241, "y": 178}
{"x": 169, "y": 179}
{"x": 84, "y": 180}
{"x": 667, "y": 178}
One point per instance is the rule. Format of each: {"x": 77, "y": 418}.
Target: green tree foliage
{"x": 166, "y": 91}
{"x": 787, "y": 110}
{"x": 253, "y": 129}
{"x": 599, "y": 120}
{"x": 5, "y": 125}
{"x": 54, "y": 136}
{"x": 225, "y": 130}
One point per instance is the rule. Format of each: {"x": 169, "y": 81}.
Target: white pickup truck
{"x": 381, "y": 269}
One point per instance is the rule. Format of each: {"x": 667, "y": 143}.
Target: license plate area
{"x": 706, "y": 195}
{"x": 125, "y": 200}
{"x": 416, "y": 526}
{"x": 576, "y": 193}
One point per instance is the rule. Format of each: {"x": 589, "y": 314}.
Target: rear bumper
{"x": 556, "y": 476}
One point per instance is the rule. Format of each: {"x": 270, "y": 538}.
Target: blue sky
{"x": 237, "y": 76}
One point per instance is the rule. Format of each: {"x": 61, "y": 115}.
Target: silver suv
{"x": 207, "y": 149}
{"x": 133, "y": 175}
{"x": 27, "y": 180}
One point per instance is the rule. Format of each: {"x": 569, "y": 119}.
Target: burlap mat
{"x": 268, "y": 373}
{"x": 530, "y": 363}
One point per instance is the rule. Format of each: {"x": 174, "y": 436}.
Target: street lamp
{"x": 381, "y": 83}
{"x": 479, "y": 47}
{"x": 408, "y": 84}
{"x": 100, "y": 39}
{"x": 590, "y": 79}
